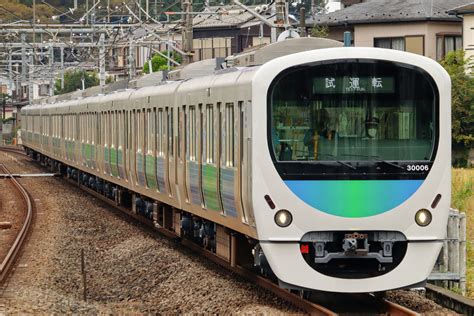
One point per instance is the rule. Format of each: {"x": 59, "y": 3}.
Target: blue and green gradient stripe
{"x": 354, "y": 198}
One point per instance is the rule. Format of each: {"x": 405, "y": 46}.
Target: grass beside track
{"x": 463, "y": 199}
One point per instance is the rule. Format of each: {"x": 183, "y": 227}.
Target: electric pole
{"x": 281, "y": 16}
{"x": 31, "y": 71}
{"x": 51, "y": 65}
{"x": 62, "y": 68}
{"x": 303, "y": 22}
{"x": 131, "y": 60}
{"x": 187, "y": 6}
{"x": 102, "y": 60}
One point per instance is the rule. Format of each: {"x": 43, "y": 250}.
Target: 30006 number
{"x": 418, "y": 167}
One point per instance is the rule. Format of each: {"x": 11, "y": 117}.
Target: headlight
{"x": 423, "y": 217}
{"x": 283, "y": 218}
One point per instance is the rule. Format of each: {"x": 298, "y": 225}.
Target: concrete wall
{"x": 364, "y": 34}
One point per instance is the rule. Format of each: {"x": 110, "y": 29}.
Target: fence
{"x": 450, "y": 268}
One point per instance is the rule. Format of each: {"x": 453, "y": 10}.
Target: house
{"x": 419, "y": 26}
{"x": 467, "y": 14}
{"x": 218, "y": 31}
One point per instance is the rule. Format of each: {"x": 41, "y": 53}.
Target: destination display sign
{"x": 353, "y": 84}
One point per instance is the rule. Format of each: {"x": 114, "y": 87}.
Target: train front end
{"x": 351, "y": 157}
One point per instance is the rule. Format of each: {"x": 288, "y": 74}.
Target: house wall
{"x": 364, "y": 34}
{"x": 468, "y": 35}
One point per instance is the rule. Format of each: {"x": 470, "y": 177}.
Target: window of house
{"x": 446, "y": 43}
{"x": 397, "y": 43}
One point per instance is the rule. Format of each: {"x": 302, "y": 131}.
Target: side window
{"x": 170, "y": 131}
{"x": 209, "y": 133}
{"x": 160, "y": 132}
{"x": 229, "y": 135}
{"x": 192, "y": 133}
{"x": 138, "y": 130}
{"x": 178, "y": 145}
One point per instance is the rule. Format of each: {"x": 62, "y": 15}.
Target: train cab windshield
{"x": 367, "y": 117}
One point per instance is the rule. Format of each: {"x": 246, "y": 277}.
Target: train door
{"x": 180, "y": 169}
{"x": 193, "y": 194}
{"x": 106, "y": 121}
{"x": 120, "y": 144}
{"x": 127, "y": 144}
{"x": 81, "y": 139}
{"x": 169, "y": 149}
{"x": 150, "y": 150}
{"x": 140, "y": 155}
{"x": 161, "y": 164}
{"x": 244, "y": 165}
{"x": 228, "y": 172}
{"x": 113, "y": 144}
{"x": 77, "y": 148}
{"x": 95, "y": 136}
{"x": 209, "y": 163}
{"x": 134, "y": 146}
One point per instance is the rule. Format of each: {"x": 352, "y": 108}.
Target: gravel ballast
{"x": 127, "y": 269}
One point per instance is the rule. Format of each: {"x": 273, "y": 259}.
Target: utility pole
{"x": 10, "y": 70}
{"x": 102, "y": 60}
{"x": 147, "y": 8}
{"x": 31, "y": 71}
{"x": 34, "y": 23}
{"x": 187, "y": 6}
{"x": 131, "y": 60}
{"x": 87, "y": 12}
{"x": 303, "y": 22}
{"x": 281, "y": 16}
{"x": 62, "y": 67}
{"x": 108, "y": 11}
{"x": 51, "y": 67}
{"x": 23, "y": 64}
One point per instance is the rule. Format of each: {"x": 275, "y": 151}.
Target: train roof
{"x": 206, "y": 70}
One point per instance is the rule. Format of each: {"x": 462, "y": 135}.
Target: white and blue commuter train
{"x": 328, "y": 169}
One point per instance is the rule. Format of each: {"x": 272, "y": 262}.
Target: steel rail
{"x": 309, "y": 307}
{"x": 11, "y": 256}
{"x": 15, "y": 150}
{"x": 305, "y": 305}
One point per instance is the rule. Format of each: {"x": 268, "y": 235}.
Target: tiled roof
{"x": 389, "y": 11}
{"x": 467, "y": 8}
{"x": 231, "y": 16}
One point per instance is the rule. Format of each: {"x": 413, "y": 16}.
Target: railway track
{"x": 13, "y": 149}
{"x": 367, "y": 303}
{"x": 11, "y": 255}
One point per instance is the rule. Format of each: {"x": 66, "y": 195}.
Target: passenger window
{"x": 159, "y": 132}
{"x": 229, "y": 135}
{"x": 192, "y": 133}
{"x": 170, "y": 131}
{"x": 209, "y": 134}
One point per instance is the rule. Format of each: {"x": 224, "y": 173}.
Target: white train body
{"x": 371, "y": 200}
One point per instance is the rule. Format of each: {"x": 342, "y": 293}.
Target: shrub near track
{"x": 463, "y": 199}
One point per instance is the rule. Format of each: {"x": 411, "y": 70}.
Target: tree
{"x": 73, "y": 81}
{"x": 14, "y": 10}
{"x": 159, "y": 63}
{"x": 319, "y": 31}
{"x": 462, "y": 99}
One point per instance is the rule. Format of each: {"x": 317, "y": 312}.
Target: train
{"x": 325, "y": 169}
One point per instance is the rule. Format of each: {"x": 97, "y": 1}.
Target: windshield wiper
{"x": 389, "y": 163}
{"x": 348, "y": 165}
{"x": 376, "y": 158}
